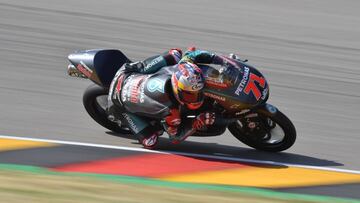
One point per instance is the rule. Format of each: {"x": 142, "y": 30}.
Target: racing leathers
{"x": 141, "y": 93}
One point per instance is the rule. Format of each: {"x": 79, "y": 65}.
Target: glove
{"x": 172, "y": 121}
{"x": 172, "y": 130}
{"x": 134, "y": 67}
{"x": 204, "y": 120}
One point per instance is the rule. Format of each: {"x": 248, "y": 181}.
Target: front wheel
{"x": 266, "y": 129}
{"x": 95, "y": 103}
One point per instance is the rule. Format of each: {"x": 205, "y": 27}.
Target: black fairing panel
{"x": 240, "y": 86}
{"x": 103, "y": 63}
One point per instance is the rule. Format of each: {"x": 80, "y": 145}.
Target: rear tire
{"x": 279, "y": 119}
{"x": 97, "y": 111}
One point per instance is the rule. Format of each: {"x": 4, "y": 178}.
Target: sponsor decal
{"x": 156, "y": 84}
{"x": 119, "y": 84}
{"x": 252, "y": 115}
{"x": 84, "y": 69}
{"x": 214, "y": 96}
{"x": 142, "y": 89}
{"x": 142, "y": 94}
{"x": 153, "y": 62}
{"x": 242, "y": 112}
{"x": 132, "y": 124}
{"x": 134, "y": 88}
{"x": 134, "y": 92}
{"x": 216, "y": 83}
{"x": 251, "y": 86}
{"x": 125, "y": 92}
{"x": 264, "y": 93}
{"x": 272, "y": 109}
{"x": 243, "y": 81}
{"x": 113, "y": 82}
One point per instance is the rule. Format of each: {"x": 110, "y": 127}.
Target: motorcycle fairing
{"x": 238, "y": 87}
{"x": 99, "y": 65}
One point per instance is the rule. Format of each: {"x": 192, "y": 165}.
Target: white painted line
{"x": 80, "y": 144}
{"x": 182, "y": 153}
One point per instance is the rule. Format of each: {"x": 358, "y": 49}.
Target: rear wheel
{"x": 95, "y": 103}
{"x": 264, "y": 130}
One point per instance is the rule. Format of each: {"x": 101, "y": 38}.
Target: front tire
{"x": 263, "y": 138}
{"x": 95, "y": 102}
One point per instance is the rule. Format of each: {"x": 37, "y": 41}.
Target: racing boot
{"x": 151, "y": 141}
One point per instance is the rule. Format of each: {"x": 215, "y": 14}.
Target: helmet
{"x": 187, "y": 83}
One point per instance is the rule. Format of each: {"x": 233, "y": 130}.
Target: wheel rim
{"x": 271, "y": 135}
{"x": 277, "y": 133}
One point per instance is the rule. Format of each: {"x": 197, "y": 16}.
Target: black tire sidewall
{"x": 97, "y": 113}
{"x": 280, "y": 119}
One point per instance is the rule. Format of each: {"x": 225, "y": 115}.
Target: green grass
{"x": 33, "y": 184}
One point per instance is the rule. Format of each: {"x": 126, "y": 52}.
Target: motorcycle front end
{"x": 264, "y": 128}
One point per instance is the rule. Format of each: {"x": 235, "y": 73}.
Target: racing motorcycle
{"x": 237, "y": 93}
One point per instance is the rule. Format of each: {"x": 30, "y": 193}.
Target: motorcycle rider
{"x": 186, "y": 96}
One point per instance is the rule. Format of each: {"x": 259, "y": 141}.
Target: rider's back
{"x": 148, "y": 94}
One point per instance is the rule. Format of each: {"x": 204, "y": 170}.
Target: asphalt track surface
{"x": 308, "y": 50}
{"x": 25, "y": 153}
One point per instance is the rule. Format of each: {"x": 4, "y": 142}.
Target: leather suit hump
{"x": 147, "y": 94}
